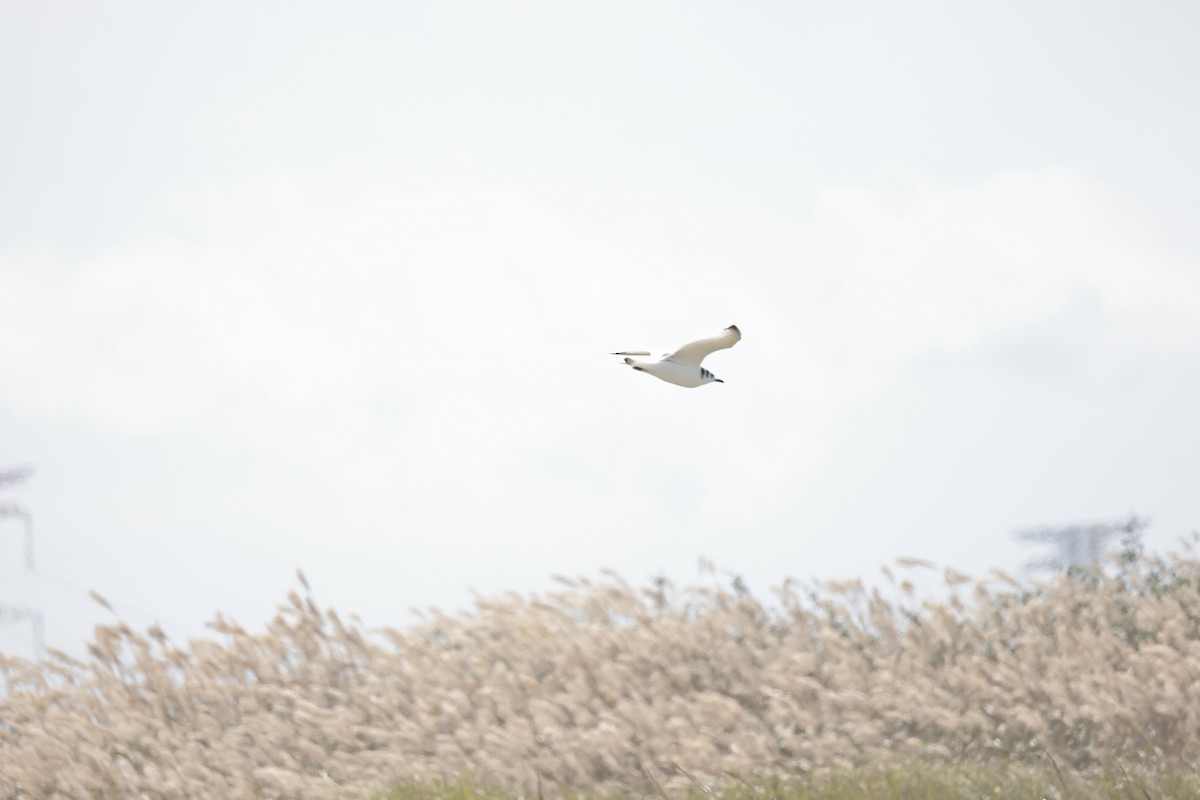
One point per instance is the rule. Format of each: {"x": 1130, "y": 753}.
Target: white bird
{"x": 682, "y": 367}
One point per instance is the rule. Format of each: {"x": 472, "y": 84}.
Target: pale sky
{"x": 332, "y": 287}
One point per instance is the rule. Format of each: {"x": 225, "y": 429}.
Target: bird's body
{"x": 682, "y": 367}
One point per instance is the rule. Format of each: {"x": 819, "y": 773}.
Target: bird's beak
{"x": 718, "y": 380}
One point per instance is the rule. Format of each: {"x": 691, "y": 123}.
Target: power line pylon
{"x": 1081, "y": 546}
{"x": 9, "y": 613}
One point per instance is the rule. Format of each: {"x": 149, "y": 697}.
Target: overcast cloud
{"x": 299, "y": 285}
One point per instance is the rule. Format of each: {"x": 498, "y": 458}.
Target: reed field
{"x": 1084, "y": 685}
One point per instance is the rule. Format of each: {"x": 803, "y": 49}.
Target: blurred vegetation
{"x": 894, "y": 781}
{"x": 1085, "y": 684}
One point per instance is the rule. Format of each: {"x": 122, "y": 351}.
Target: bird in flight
{"x": 682, "y": 367}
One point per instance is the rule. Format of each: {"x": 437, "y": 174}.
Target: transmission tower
{"x": 1076, "y": 545}
{"x": 14, "y": 511}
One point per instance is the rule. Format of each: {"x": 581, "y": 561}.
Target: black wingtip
{"x": 734, "y": 328}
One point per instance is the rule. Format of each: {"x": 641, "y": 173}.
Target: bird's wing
{"x": 692, "y": 353}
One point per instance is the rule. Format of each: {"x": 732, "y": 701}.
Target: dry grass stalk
{"x": 607, "y": 687}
